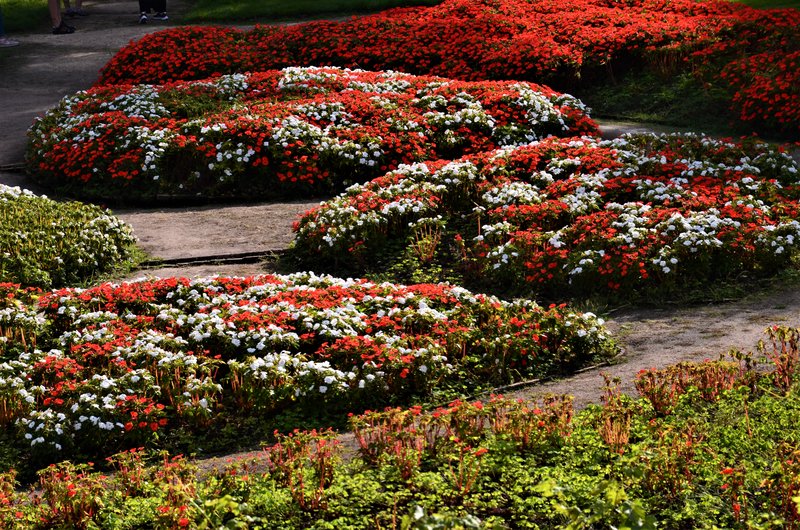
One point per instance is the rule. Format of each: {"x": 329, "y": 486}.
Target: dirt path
{"x": 655, "y": 338}
{"x": 45, "y": 67}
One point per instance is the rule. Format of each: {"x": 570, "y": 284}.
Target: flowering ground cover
{"x": 283, "y": 132}
{"x": 88, "y": 371}
{"x": 708, "y": 445}
{"x": 46, "y": 243}
{"x": 750, "y": 54}
{"x": 569, "y": 216}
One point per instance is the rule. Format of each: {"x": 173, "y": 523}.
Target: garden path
{"x": 46, "y": 67}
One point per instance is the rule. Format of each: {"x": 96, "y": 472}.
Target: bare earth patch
{"x": 213, "y": 230}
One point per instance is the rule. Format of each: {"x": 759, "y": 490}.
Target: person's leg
{"x": 59, "y": 27}
{"x": 160, "y": 7}
{"x": 55, "y": 13}
{"x": 144, "y": 8}
{"x": 76, "y": 11}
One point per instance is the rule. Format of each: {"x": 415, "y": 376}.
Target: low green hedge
{"x": 45, "y": 243}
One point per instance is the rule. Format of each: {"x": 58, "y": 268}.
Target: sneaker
{"x": 5, "y": 42}
{"x": 74, "y": 12}
{"x": 63, "y": 29}
{"x": 161, "y": 16}
{"x": 143, "y": 18}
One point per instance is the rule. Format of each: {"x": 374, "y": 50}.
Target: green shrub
{"x": 45, "y": 243}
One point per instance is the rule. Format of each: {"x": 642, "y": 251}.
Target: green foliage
{"x": 610, "y": 505}
{"x": 24, "y": 15}
{"x": 419, "y": 520}
{"x": 210, "y": 10}
{"x": 676, "y": 100}
{"x": 771, "y": 4}
{"x": 45, "y": 243}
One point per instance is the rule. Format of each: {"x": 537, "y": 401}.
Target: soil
{"x": 45, "y": 67}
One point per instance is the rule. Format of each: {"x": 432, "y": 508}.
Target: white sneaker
{"x": 5, "y": 42}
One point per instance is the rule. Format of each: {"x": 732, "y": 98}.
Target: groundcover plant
{"x": 750, "y": 54}
{"x": 85, "y": 371}
{"x": 283, "y": 132}
{"x": 46, "y": 243}
{"x": 569, "y": 216}
{"x": 709, "y": 445}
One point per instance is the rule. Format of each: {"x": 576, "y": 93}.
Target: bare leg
{"x": 55, "y": 12}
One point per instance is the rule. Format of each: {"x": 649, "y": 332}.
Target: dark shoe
{"x": 63, "y": 29}
{"x": 143, "y": 18}
{"x": 160, "y": 16}
{"x": 74, "y": 12}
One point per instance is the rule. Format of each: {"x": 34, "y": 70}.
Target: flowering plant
{"x": 288, "y": 131}
{"x": 113, "y": 365}
{"x": 572, "y": 215}
{"x": 758, "y": 61}
{"x": 47, "y": 243}
{"x": 563, "y": 43}
{"x": 725, "y": 440}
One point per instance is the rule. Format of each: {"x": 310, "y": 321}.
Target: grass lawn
{"x": 214, "y": 10}
{"x": 766, "y": 4}
{"x": 29, "y": 15}
{"x": 24, "y": 15}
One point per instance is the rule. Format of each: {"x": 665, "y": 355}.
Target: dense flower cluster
{"x": 51, "y": 244}
{"x": 466, "y": 39}
{"x": 295, "y": 129}
{"x": 554, "y": 41}
{"x": 112, "y": 365}
{"x": 760, "y": 61}
{"x": 726, "y": 441}
{"x": 575, "y": 214}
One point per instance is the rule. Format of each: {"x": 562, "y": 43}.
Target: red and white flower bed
{"x": 751, "y": 53}
{"x": 288, "y": 131}
{"x": 574, "y": 215}
{"x": 111, "y": 366}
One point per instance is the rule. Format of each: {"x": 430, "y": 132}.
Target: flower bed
{"x": 758, "y": 61}
{"x": 723, "y": 456}
{"x": 563, "y": 43}
{"x": 575, "y": 216}
{"x": 112, "y": 366}
{"x": 46, "y": 243}
{"x": 282, "y": 132}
